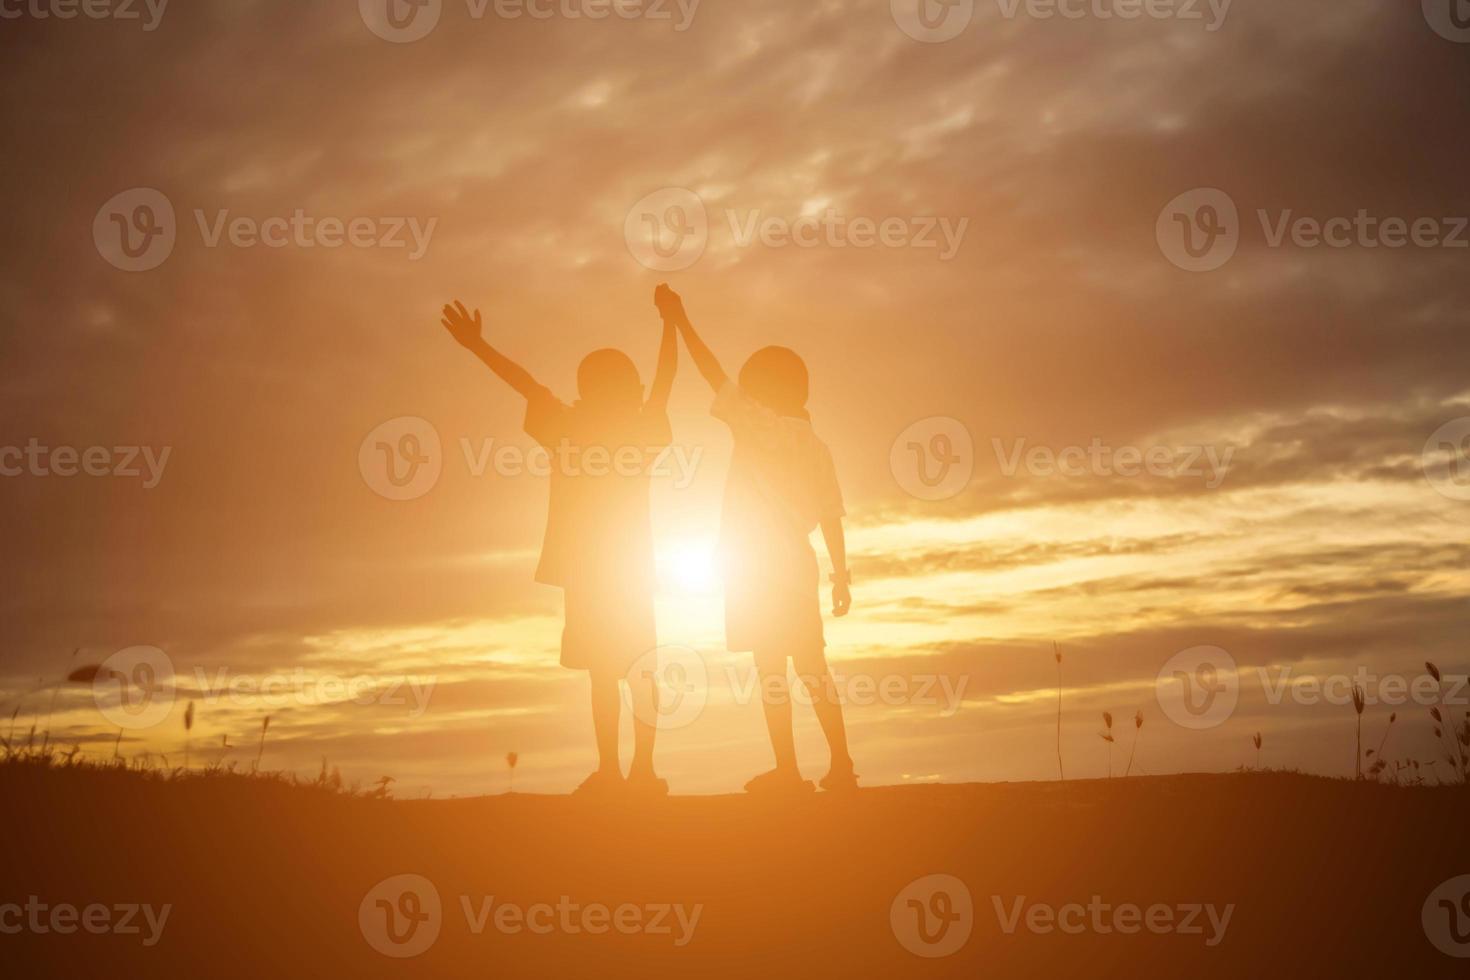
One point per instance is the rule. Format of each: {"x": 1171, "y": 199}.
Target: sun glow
{"x": 689, "y": 568}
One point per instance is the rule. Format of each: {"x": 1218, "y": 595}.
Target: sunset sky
{"x": 520, "y": 147}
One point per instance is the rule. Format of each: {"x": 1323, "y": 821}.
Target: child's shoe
{"x": 600, "y": 783}
{"x": 779, "y": 782}
{"x": 646, "y": 784}
{"x": 840, "y": 780}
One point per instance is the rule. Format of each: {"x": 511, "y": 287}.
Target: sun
{"x": 689, "y": 568}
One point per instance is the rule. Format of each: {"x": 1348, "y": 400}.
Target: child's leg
{"x": 606, "y": 707}
{"x": 828, "y": 706}
{"x": 644, "y": 693}
{"x": 776, "y": 700}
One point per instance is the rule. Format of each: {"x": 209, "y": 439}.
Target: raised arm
{"x": 668, "y": 364}
{"x": 672, "y": 308}
{"x": 836, "y": 540}
{"x": 466, "y": 330}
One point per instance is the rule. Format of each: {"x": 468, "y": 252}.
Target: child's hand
{"x": 460, "y": 326}
{"x": 841, "y": 599}
{"x": 670, "y": 306}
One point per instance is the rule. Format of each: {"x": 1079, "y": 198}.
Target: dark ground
{"x": 1327, "y": 878}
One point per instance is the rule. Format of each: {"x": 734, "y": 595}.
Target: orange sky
{"x": 519, "y": 148}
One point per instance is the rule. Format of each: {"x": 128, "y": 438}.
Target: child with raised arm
{"x": 599, "y": 540}
{"x": 782, "y": 485}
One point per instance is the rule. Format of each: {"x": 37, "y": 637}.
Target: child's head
{"x": 608, "y": 379}
{"x": 776, "y": 377}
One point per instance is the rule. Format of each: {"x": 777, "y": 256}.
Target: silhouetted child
{"x": 782, "y": 485}
{"x": 599, "y": 540}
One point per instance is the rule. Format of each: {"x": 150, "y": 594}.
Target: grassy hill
{"x": 1286, "y": 875}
